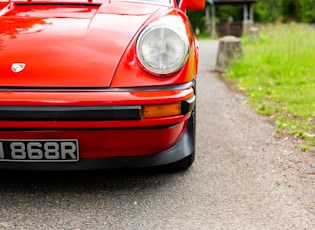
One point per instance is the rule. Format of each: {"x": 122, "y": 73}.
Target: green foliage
{"x": 287, "y": 10}
{"x": 291, "y": 10}
{"x": 299, "y": 10}
{"x": 277, "y": 73}
{"x": 197, "y": 19}
{"x": 307, "y": 11}
{"x": 267, "y": 10}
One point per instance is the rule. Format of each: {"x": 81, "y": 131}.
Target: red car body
{"x": 79, "y": 88}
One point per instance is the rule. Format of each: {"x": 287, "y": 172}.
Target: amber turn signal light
{"x": 151, "y": 111}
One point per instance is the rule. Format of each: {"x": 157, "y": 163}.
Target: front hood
{"x": 66, "y": 45}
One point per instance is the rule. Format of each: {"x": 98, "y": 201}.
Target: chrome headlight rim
{"x": 174, "y": 27}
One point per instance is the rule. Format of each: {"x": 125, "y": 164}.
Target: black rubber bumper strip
{"x": 70, "y": 113}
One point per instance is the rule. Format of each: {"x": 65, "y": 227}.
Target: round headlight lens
{"x": 162, "y": 48}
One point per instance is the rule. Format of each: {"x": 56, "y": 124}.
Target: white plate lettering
{"x": 39, "y": 150}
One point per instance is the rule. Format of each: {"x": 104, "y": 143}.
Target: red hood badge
{"x": 17, "y": 67}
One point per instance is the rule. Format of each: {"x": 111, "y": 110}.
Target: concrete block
{"x": 230, "y": 48}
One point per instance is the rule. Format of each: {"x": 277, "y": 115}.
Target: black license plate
{"x": 64, "y": 150}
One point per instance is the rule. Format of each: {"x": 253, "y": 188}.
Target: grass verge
{"x": 278, "y": 74}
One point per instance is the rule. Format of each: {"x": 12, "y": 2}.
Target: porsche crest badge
{"x": 17, "y": 67}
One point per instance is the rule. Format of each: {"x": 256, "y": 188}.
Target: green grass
{"x": 278, "y": 74}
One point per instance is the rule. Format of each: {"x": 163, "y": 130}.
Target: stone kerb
{"x": 230, "y": 48}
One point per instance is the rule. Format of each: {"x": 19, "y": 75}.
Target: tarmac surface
{"x": 245, "y": 176}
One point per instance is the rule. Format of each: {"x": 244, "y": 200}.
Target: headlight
{"x": 163, "y": 46}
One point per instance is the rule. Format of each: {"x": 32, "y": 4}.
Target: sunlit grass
{"x": 278, "y": 74}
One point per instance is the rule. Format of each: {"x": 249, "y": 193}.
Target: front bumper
{"x": 108, "y": 125}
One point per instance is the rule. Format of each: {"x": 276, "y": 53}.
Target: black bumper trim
{"x": 70, "y": 113}
{"x": 188, "y": 105}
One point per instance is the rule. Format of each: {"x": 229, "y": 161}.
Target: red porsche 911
{"x": 95, "y": 84}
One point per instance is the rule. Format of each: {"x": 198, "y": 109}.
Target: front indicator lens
{"x": 151, "y": 111}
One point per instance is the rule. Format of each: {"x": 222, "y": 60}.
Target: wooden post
{"x": 251, "y": 14}
{"x": 207, "y": 22}
{"x": 213, "y": 26}
{"x": 248, "y": 18}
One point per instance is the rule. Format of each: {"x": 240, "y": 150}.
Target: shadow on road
{"x": 30, "y": 181}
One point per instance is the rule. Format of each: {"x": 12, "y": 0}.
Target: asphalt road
{"x": 245, "y": 177}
